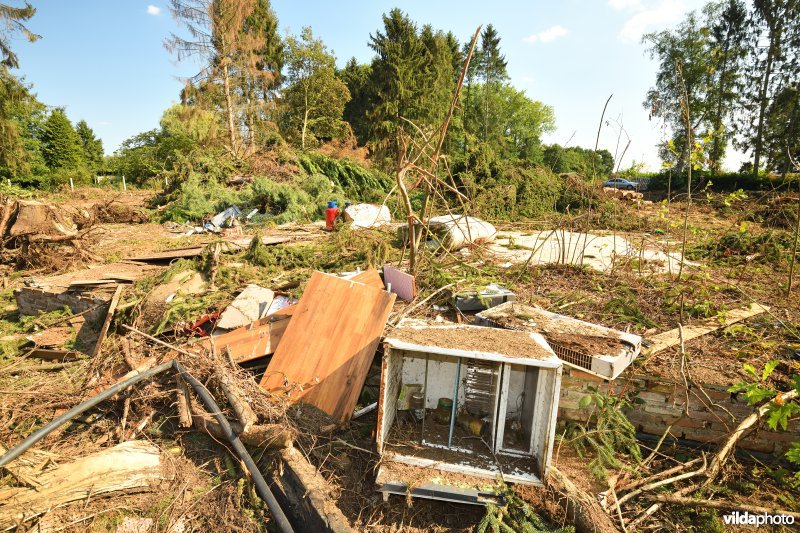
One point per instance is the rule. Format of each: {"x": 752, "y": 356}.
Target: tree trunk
{"x": 226, "y": 84}
{"x": 305, "y": 121}
{"x": 762, "y": 107}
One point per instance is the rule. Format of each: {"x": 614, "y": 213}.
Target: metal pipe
{"x": 455, "y": 401}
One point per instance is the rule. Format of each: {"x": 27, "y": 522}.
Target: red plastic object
{"x": 330, "y": 217}
{"x": 202, "y": 327}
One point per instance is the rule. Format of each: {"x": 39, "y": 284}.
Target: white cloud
{"x": 153, "y": 10}
{"x": 623, "y": 4}
{"x": 661, "y": 14}
{"x": 548, "y": 35}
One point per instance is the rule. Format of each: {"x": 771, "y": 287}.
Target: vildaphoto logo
{"x": 738, "y": 518}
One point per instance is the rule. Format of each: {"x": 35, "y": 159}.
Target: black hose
{"x": 42, "y": 432}
{"x": 238, "y": 447}
{"x": 208, "y": 401}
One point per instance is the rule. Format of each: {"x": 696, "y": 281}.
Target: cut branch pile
{"x": 624, "y": 497}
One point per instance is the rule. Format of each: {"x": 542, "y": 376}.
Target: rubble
{"x": 600, "y": 252}
{"x": 367, "y": 215}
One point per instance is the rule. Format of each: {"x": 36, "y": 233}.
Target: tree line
{"x": 39, "y": 146}
{"x": 733, "y": 70}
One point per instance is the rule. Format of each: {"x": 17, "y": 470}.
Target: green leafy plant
{"x": 780, "y": 410}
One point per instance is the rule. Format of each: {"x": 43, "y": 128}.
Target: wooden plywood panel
{"x": 329, "y": 343}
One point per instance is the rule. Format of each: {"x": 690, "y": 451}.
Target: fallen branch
{"x": 241, "y": 408}
{"x": 724, "y": 453}
{"x": 269, "y": 436}
{"x": 184, "y": 412}
{"x": 732, "y": 506}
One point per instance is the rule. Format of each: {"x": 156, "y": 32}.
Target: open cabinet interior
{"x": 468, "y": 412}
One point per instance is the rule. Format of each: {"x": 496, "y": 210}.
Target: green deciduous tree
{"x": 773, "y": 63}
{"x": 686, "y": 48}
{"x": 315, "y": 98}
{"x": 726, "y": 21}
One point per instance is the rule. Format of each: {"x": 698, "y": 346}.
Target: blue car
{"x": 619, "y": 183}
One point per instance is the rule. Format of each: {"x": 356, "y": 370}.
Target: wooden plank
{"x": 329, "y": 344}
{"x": 403, "y": 285}
{"x": 54, "y": 355}
{"x": 671, "y": 338}
{"x": 112, "y": 307}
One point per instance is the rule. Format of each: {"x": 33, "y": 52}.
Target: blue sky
{"x": 105, "y": 61}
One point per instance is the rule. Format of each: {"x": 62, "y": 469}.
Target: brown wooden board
{"x": 329, "y": 344}
{"x": 112, "y": 307}
{"x": 261, "y": 338}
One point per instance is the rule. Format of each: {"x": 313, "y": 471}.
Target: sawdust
{"x": 499, "y": 341}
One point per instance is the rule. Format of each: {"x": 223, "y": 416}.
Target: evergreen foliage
{"x": 607, "y": 436}
{"x": 62, "y": 147}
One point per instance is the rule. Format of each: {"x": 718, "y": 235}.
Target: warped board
{"x": 671, "y": 338}
{"x": 325, "y": 353}
{"x": 262, "y": 337}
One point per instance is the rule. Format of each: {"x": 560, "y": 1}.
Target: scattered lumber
{"x": 261, "y": 338}
{"x": 329, "y": 344}
{"x": 671, "y": 338}
{"x": 133, "y": 465}
{"x": 112, "y": 307}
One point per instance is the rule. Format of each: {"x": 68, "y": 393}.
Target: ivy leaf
{"x": 768, "y": 369}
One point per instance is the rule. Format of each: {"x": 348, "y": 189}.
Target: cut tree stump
{"x": 134, "y": 465}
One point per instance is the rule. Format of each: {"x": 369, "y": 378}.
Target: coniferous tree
{"x": 357, "y": 78}
{"x": 91, "y": 146}
{"x": 61, "y": 144}
{"x": 11, "y": 23}
{"x": 397, "y": 80}
{"x": 492, "y": 72}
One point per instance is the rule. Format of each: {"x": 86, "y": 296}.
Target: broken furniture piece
{"x": 592, "y": 348}
{"x": 485, "y": 298}
{"x": 489, "y": 404}
{"x": 260, "y": 338}
{"x": 328, "y": 345}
